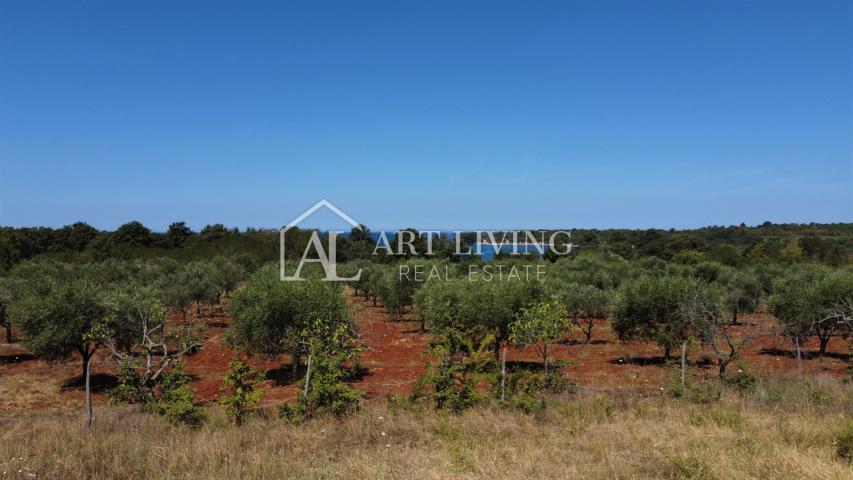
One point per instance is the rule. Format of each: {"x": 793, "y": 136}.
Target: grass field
{"x": 782, "y": 430}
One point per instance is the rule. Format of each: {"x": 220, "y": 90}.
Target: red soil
{"x": 393, "y": 359}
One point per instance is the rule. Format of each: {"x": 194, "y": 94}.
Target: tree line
{"x": 830, "y": 244}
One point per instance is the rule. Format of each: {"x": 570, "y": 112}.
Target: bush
{"x": 702, "y": 393}
{"x": 175, "y": 399}
{"x": 843, "y": 438}
{"x": 170, "y": 397}
{"x": 129, "y": 389}
{"x": 328, "y": 391}
{"x": 177, "y": 407}
{"x": 523, "y": 389}
{"x": 242, "y": 380}
{"x": 453, "y": 387}
{"x": 741, "y": 381}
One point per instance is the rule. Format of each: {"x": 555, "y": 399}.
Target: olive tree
{"x": 541, "y": 324}
{"x": 226, "y": 275}
{"x": 585, "y": 303}
{"x": 134, "y": 330}
{"x": 56, "y": 317}
{"x": 705, "y": 308}
{"x": 197, "y": 279}
{"x": 811, "y": 301}
{"x": 273, "y": 317}
{"x": 175, "y": 294}
{"x": 745, "y": 292}
{"x": 647, "y": 308}
{"x": 480, "y": 311}
{"x": 8, "y": 287}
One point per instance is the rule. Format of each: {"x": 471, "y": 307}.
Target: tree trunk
{"x": 496, "y": 349}
{"x": 824, "y": 342}
{"x": 545, "y": 358}
{"x": 723, "y": 365}
{"x": 666, "y": 352}
{"x": 87, "y": 359}
{"x": 683, "y": 360}
{"x": 588, "y": 330}
{"x": 734, "y": 317}
{"x": 8, "y": 333}
{"x": 295, "y": 365}
{"x": 799, "y": 358}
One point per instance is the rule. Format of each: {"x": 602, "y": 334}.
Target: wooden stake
{"x": 307, "y": 376}
{"x": 88, "y": 393}
{"x": 503, "y": 372}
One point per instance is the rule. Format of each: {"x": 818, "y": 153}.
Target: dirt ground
{"x": 393, "y": 359}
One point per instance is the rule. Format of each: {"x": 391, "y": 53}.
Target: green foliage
{"x": 198, "y": 281}
{"x": 55, "y": 309}
{"x": 584, "y": 303}
{"x": 830, "y": 244}
{"x": 241, "y": 381}
{"x": 8, "y": 292}
{"x": 648, "y": 308}
{"x": 226, "y": 274}
{"x": 450, "y": 381}
{"x": 327, "y": 392}
{"x": 453, "y": 386}
{"x": 174, "y": 399}
{"x": 476, "y": 311}
{"x": 813, "y": 301}
{"x": 273, "y": 317}
{"x": 129, "y": 389}
{"x": 703, "y": 393}
{"x": 523, "y": 389}
{"x": 170, "y": 397}
{"x": 541, "y": 324}
{"x": 843, "y": 438}
{"x": 133, "y": 234}
{"x": 741, "y": 381}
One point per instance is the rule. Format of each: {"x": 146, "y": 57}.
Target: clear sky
{"x": 429, "y": 114}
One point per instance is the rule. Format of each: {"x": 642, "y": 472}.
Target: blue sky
{"x": 437, "y": 114}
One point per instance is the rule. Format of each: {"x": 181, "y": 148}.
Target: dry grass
{"x": 781, "y": 431}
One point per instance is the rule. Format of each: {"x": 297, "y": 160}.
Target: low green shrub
{"x": 328, "y": 391}
{"x": 241, "y": 380}
{"x": 523, "y": 389}
{"x": 170, "y": 396}
{"x": 176, "y": 400}
{"x": 843, "y": 438}
{"x": 741, "y": 381}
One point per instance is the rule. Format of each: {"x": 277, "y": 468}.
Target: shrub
{"x": 175, "y": 399}
{"x": 704, "y": 393}
{"x": 129, "y": 389}
{"x": 327, "y": 392}
{"x": 843, "y": 438}
{"x": 741, "y": 381}
{"x": 454, "y": 388}
{"x": 523, "y": 389}
{"x": 170, "y": 397}
{"x": 242, "y": 380}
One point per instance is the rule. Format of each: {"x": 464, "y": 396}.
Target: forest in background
{"x": 830, "y": 244}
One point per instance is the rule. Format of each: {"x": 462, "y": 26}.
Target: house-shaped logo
{"x": 326, "y": 256}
